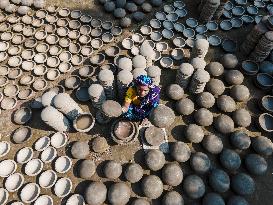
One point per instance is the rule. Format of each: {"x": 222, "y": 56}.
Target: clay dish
{"x": 107, "y": 37}
{"x": 24, "y": 155}
{"x": 155, "y": 23}
{"x": 166, "y": 62}
{"x": 30, "y": 43}
{"x": 212, "y": 26}
{"x": 62, "y": 22}
{"x": 30, "y": 192}
{"x": 22, "y": 115}
{"x": 227, "y": 14}
{"x": 86, "y": 50}
{"x": 161, "y": 16}
{"x": 34, "y": 167}
{"x": 74, "y": 24}
{"x": 14, "y": 50}
{"x": 85, "y": 18}
{"x": 28, "y": 65}
{"x": 157, "y": 55}
{"x": 96, "y": 32}
{"x": 237, "y": 22}
{"x": 40, "y": 70}
{"x": 161, "y": 46}
{"x": 82, "y": 94}
{"x": 241, "y": 2}
{"x": 177, "y": 54}
{"x": 191, "y": 22}
{"x": 247, "y": 19}
{"x": 65, "y": 56}
{"x": 38, "y": 23}
{"x": 40, "y": 35}
{"x": 266, "y": 122}
{"x": 154, "y": 136}
{"x": 52, "y": 39}
{"x": 39, "y": 84}
{"x": 3, "y": 81}
{"x": 11, "y": 90}
{"x": 168, "y": 34}
{"x": 43, "y": 200}
{"x": 63, "y": 164}
{"x": 84, "y": 122}
{"x": 229, "y": 45}
{"x": 8, "y": 103}
{"x": 42, "y": 48}
{"x": 4, "y": 194}
{"x": 76, "y": 14}
{"x": 26, "y": 79}
{"x": 75, "y": 199}
{"x": 258, "y": 18}
{"x": 85, "y": 30}
{"x": 107, "y": 25}
{"x": 64, "y": 12}
{"x": 40, "y": 58}
{"x": 14, "y": 182}
{"x": 168, "y": 8}
{"x": 116, "y": 30}
{"x": 226, "y": 25}
{"x": 72, "y": 82}
{"x": 264, "y": 80}
{"x": 4, "y": 26}
{"x": 15, "y": 61}
{"x": 21, "y": 134}
{"x": 3, "y": 56}
{"x": 64, "y": 42}
{"x": 4, "y": 148}
{"x": 74, "y": 48}
{"x": 238, "y": 10}
{"x": 51, "y": 18}
{"x": 181, "y": 12}
{"x": 259, "y": 4}
{"x": 188, "y": 32}
{"x": 96, "y": 23}
{"x": 97, "y": 59}
{"x": 172, "y": 17}
{"x": 214, "y": 40}
{"x": 52, "y": 9}
{"x": 62, "y": 31}
{"x": 58, "y": 139}
{"x": 156, "y": 36}
{"x": 127, "y": 43}
{"x": 50, "y": 28}
{"x": 42, "y": 143}
{"x": 252, "y": 10}
{"x": 47, "y": 179}
{"x": 6, "y": 36}
{"x": 25, "y": 94}
{"x": 41, "y": 14}
{"x": 267, "y": 103}
{"x": 137, "y": 38}
{"x": 53, "y": 61}
{"x": 87, "y": 71}
{"x": 65, "y": 67}
{"x": 8, "y": 167}
{"x": 86, "y": 39}
{"x": 201, "y": 36}
{"x": 48, "y": 155}
{"x": 97, "y": 43}
{"x": 123, "y": 132}
{"x": 4, "y": 46}
{"x": 63, "y": 187}
{"x": 55, "y": 50}
{"x": 27, "y": 54}
{"x": 190, "y": 42}
{"x": 112, "y": 51}
{"x": 53, "y": 74}
{"x": 146, "y": 30}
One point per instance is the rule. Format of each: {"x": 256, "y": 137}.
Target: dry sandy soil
{"x": 264, "y": 189}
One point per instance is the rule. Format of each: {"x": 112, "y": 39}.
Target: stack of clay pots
{"x": 124, "y": 78}
{"x": 218, "y": 13}
{"x": 97, "y": 95}
{"x": 209, "y": 8}
{"x": 263, "y": 48}
{"x": 252, "y": 38}
{"x": 200, "y": 48}
{"x": 110, "y": 109}
{"x": 154, "y": 72}
{"x": 106, "y": 79}
{"x": 184, "y": 74}
{"x": 198, "y": 81}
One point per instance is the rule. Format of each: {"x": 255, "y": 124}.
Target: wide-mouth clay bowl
{"x": 3, "y": 81}
{"x": 8, "y": 103}
{"x": 229, "y": 45}
{"x": 62, "y": 31}
{"x": 96, "y": 23}
{"x": 21, "y": 135}
{"x": 87, "y": 71}
{"x": 47, "y": 179}
{"x": 112, "y": 51}
{"x": 96, "y": 32}
{"x": 238, "y": 11}
{"x": 190, "y": 42}
{"x": 63, "y": 164}
{"x": 25, "y": 94}
{"x": 3, "y": 56}
{"x": 39, "y": 84}
{"x": 82, "y": 94}
{"x": 252, "y": 10}
{"x": 4, "y": 148}
{"x": 29, "y": 43}
{"x": 53, "y": 61}
{"x": 48, "y": 155}
{"x": 58, "y": 139}
{"x": 267, "y": 103}
{"x": 4, "y": 46}
{"x": 34, "y": 167}
{"x": 212, "y": 26}
{"x": 137, "y": 38}
{"x": 123, "y": 131}
{"x": 168, "y": 34}
{"x": 50, "y": 28}
{"x": 85, "y": 30}
{"x": 237, "y": 22}
{"x": 161, "y": 46}
{"x": 266, "y": 122}
{"x": 107, "y": 25}
{"x": 227, "y": 14}
{"x": 75, "y": 199}
{"x": 41, "y": 14}
{"x": 14, "y": 182}
{"x": 55, "y": 50}
{"x": 40, "y": 70}
{"x": 127, "y": 43}
{"x": 42, "y": 47}
{"x": 259, "y": 4}
{"x": 11, "y": 90}
{"x": 250, "y": 67}
{"x": 247, "y": 19}
{"x": 24, "y": 155}
{"x": 15, "y": 73}
{"x": 74, "y": 48}
{"x": 177, "y": 54}
{"x": 62, "y": 22}
{"x": 97, "y": 59}
{"x": 4, "y": 196}
{"x": 166, "y": 62}
{"x": 86, "y": 50}
{"x": 156, "y": 36}
{"x": 226, "y": 25}
{"x": 63, "y": 187}
{"x": 72, "y": 82}
{"x": 6, "y": 36}
{"x": 28, "y": 65}
{"x": 201, "y": 29}
{"x": 179, "y": 42}
{"x": 264, "y": 80}
{"x": 53, "y": 74}
{"x": 168, "y": 24}
{"x": 85, "y": 39}
{"x": 214, "y": 40}
{"x": 52, "y": 39}
{"x": 116, "y": 30}
{"x": 64, "y": 42}
{"x": 179, "y": 27}
{"x": 84, "y": 122}
{"x": 7, "y": 167}
{"x": 64, "y": 12}
{"x": 160, "y": 15}
{"x": 42, "y": 143}
{"x": 155, "y": 23}
{"x": 4, "y": 70}
{"x": 18, "y": 27}
{"x": 44, "y": 200}
{"x": 22, "y": 115}
{"x": 107, "y": 37}
{"x": 258, "y": 18}
{"x": 188, "y": 33}
{"x": 27, "y": 79}
{"x": 40, "y": 35}
{"x": 97, "y": 43}
{"x": 241, "y": 2}
{"x": 191, "y": 22}
{"x": 30, "y": 193}
{"x": 146, "y": 30}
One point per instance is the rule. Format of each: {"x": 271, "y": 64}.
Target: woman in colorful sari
{"x": 140, "y": 99}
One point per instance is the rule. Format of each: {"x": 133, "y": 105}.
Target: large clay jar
{"x": 95, "y": 193}
{"x": 162, "y": 116}
{"x": 152, "y": 186}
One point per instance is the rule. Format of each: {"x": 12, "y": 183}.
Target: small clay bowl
{"x": 31, "y": 43}
{"x": 74, "y": 24}
{"x": 65, "y": 67}
{"x": 77, "y": 60}
{"x": 168, "y": 34}
{"x": 85, "y": 39}
{"x": 55, "y": 50}
{"x": 188, "y": 33}
{"x": 214, "y": 40}
{"x": 191, "y": 22}
{"x": 146, "y": 30}
{"x": 127, "y": 43}
{"x": 228, "y": 6}
{"x": 52, "y": 39}
{"x": 166, "y": 62}
{"x": 172, "y": 17}
{"x": 155, "y": 23}
{"x": 96, "y": 23}
{"x": 201, "y": 36}
{"x": 53, "y": 61}
{"x": 40, "y": 58}
{"x": 53, "y": 74}
{"x": 96, "y": 43}
{"x": 6, "y": 36}
{"x": 266, "y": 103}
{"x": 18, "y": 39}
{"x": 190, "y": 42}
{"x": 64, "y": 42}
{"x": 4, "y": 26}
{"x": 39, "y": 70}
{"x": 41, "y": 14}
{"x": 62, "y": 22}
{"x": 212, "y": 26}
{"x": 42, "y": 48}
{"x": 96, "y": 32}
{"x": 179, "y": 27}
{"x": 48, "y": 155}
{"x": 264, "y": 80}
{"x": 226, "y": 25}
{"x": 14, "y": 50}
{"x": 74, "y": 34}
{"x": 84, "y": 122}
{"x": 25, "y": 94}
{"x": 229, "y": 45}
{"x": 238, "y": 10}
{"x": 27, "y": 54}
{"x": 74, "y": 48}
{"x": 40, "y": 35}
{"x": 85, "y": 30}
{"x": 3, "y": 81}
{"x": 4, "y": 46}
{"x": 112, "y": 51}
{"x": 179, "y": 42}
{"x": 97, "y": 59}
{"x": 50, "y": 28}
{"x": 37, "y": 23}
{"x": 237, "y": 22}
{"x": 63, "y": 187}
{"x": 201, "y": 29}
{"x": 3, "y": 56}
{"x": 86, "y": 50}
{"x": 8, "y": 103}
{"x": 11, "y": 90}
{"x": 107, "y": 37}
{"x": 137, "y": 38}
{"x": 65, "y": 56}
{"x": 39, "y": 84}
{"x": 177, "y": 54}
{"x": 252, "y": 10}
{"x": 241, "y": 2}
{"x": 63, "y": 164}
{"x": 161, "y": 16}
{"x": 227, "y": 14}
{"x": 116, "y": 30}
{"x": 161, "y": 46}
{"x": 250, "y": 67}
{"x": 27, "y": 79}
{"x": 4, "y": 70}
{"x": 107, "y": 25}
{"x": 168, "y": 25}
{"x": 156, "y": 36}
{"x": 42, "y": 143}
{"x": 62, "y": 31}
{"x": 168, "y": 8}
{"x": 266, "y": 122}
{"x": 18, "y": 27}
{"x": 8, "y": 167}
{"x": 4, "y": 148}
{"x": 22, "y": 115}
{"x": 15, "y": 73}
{"x": 72, "y": 82}
{"x": 247, "y": 19}
{"x": 64, "y": 12}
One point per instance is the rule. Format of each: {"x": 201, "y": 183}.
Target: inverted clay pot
{"x": 199, "y": 187}
{"x": 152, "y": 186}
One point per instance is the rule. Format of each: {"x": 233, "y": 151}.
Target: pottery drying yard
{"x": 64, "y": 68}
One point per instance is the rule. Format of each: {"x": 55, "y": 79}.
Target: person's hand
{"x": 124, "y": 109}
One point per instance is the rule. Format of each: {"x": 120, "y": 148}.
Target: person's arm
{"x": 127, "y": 100}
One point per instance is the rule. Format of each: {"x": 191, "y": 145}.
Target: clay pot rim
{"x": 125, "y": 43}
{"x": 155, "y": 23}
{"x": 51, "y": 64}
{"x": 99, "y": 62}
{"x": 226, "y": 25}
{"x": 116, "y": 30}
{"x": 168, "y": 34}
{"x": 160, "y": 15}
{"x": 85, "y": 39}
{"x": 40, "y": 35}
{"x": 58, "y": 166}
{"x": 42, "y": 148}
{"x": 179, "y": 45}
{"x": 214, "y": 40}
{"x": 173, "y": 17}
{"x": 65, "y": 67}
{"x": 192, "y": 22}
{"x": 64, "y": 12}
{"x": 6, "y": 33}
{"x": 109, "y": 51}
{"x": 87, "y": 129}
{"x": 96, "y": 41}
{"x": 6, "y": 81}
{"x": 188, "y": 33}
{"x": 212, "y": 25}
{"x": 55, "y": 138}
{"x": 169, "y": 65}
{"x": 264, "y": 105}
{"x": 135, "y": 38}
{"x": 86, "y": 18}
{"x": 156, "y": 36}
{"x": 54, "y": 71}
{"x": 105, "y": 36}
{"x": 268, "y": 76}
{"x": 6, "y": 106}
{"x": 146, "y": 29}
{"x": 38, "y": 69}
{"x": 3, "y": 56}
{"x": 38, "y": 47}
{"x": 27, "y": 117}
{"x": 8, "y": 94}
{"x": 7, "y": 148}
{"x": 129, "y": 139}
{"x": 25, "y": 97}
{"x": 84, "y": 50}
{"x": 41, "y": 11}
{"x": 77, "y": 59}
{"x": 181, "y": 12}
{"x": 6, "y": 193}
{"x": 52, "y": 52}
{"x": 26, "y": 65}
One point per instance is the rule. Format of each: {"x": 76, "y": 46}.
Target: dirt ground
{"x": 132, "y": 152}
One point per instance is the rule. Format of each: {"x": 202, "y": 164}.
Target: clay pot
{"x": 24, "y": 155}
{"x": 180, "y": 151}
{"x": 194, "y": 133}
{"x": 3, "y": 81}
{"x": 215, "y": 87}
{"x": 80, "y": 150}
{"x": 4, "y": 148}
{"x": 87, "y": 169}
{"x": 152, "y": 186}
{"x": 63, "y": 164}
{"x": 123, "y": 132}
{"x": 194, "y": 186}
{"x": 22, "y": 115}
{"x": 226, "y": 104}
{"x": 39, "y": 84}
{"x": 229, "y": 61}
{"x": 230, "y": 159}
{"x": 72, "y": 82}
{"x": 95, "y": 193}
{"x": 42, "y": 143}
{"x": 47, "y": 179}
{"x": 75, "y": 199}
{"x": 172, "y": 174}
{"x": 242, "y": 118}
{"x": 48, "y": 155}
{"x": 219, "y": 180}
{"x": 264, "y": 121}
{"x": 233, "y": 200}
{"x": 21, "y": 134}
{"x": 140, "y": 201}
{"x": 262, "y": 145}
{"x": 99, "y": 145}
{"x": 264, "y": 80}
{"x": 34, "y": 167}
{"x": 155, "y": 160}
{"x": 240, "y": 93}
{"x": 133, "y": 173}
{"x": 30, "y": 192}
{"x": 154, "y": 136}
{"x": 213, "y": 198}
{"x": 63, "y": 187}
{"x": 240, "y": 140}
{"x": 203, "y": 117}
{"x": 84, "y": 122}
{"x": 112, "y": 170}
{"x": 162, "y": 116}
{"x": 205, "y": 99}
{"x": 234, "y": 77}
{"x": 212, "y": 144}
{"x": 242, "y": 184}
{"x": 119, "y": 193}
{"x": 255, "y": 164}
{"x": 14, "y": 182}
